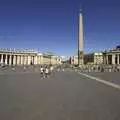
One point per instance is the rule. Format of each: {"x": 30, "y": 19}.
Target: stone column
{"x": 104, "y": 59}
{"x": 25, "y": 60}
{"x": 29, "y": 60}
{"x": 6, "y": 57}
{"x": 118, "y": 59}
{"x": 10, "y": 59}
{"x": 14, "y": 59}
{"x": 18, "y": 60}
{"x": 38, "y": 59}
{"x": 107, "y": 59}
{"x": 113, "y": 59}
{"x": 51, "y": 60}
{"x": 35, "y": 60}
{"x": 1, "y": 58}
{"x": 41, "y": 59}
{"x": 22, "y": 60}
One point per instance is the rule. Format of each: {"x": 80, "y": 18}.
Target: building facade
{"x": 95, "y": 58}
{"x": 112, "y": 57}
{"x": 50, "y": 58}
{"x": 74, "y": 60}
{"x": 98, "y": 58}
{"x": 25, "y": 57}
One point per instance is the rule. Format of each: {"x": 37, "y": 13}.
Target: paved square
{"x": 113, "y": 77}
{"x": 64, "y": 96}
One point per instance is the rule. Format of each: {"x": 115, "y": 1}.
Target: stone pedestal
{"x": 80, "y": 58}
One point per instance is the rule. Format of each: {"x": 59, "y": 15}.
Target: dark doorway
{"x": 116, "y": 59}
{"x": 110, "y": 59}
{"x": 4, "y": 57}
{"x": 12, "y": 60}
{"x": 8, "y": 59}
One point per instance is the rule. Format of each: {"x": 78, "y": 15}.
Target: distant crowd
{"x": 98, "y": 68}
{"x": 44, "y": 70}
{"x": 48, "y": 70}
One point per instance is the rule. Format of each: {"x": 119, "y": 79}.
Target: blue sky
{"x": 51, "y": 25}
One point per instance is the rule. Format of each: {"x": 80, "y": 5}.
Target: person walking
{"x": 42, "y": 71}
{"x": 51, "y": 69}
{"x": 46, "y": 72}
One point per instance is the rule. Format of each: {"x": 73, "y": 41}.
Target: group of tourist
{"x": 45, "y": 71}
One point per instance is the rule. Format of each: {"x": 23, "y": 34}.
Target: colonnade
{"x": 16, "y": 59}
{"x": 111, "y": 59}
{"x": 26, "y": 59}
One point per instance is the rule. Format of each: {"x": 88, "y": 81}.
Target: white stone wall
{"x": 98, "y": 59}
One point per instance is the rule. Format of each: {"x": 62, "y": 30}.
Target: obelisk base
{"x": 80, "y": 58}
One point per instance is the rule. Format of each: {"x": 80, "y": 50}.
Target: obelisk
{"x": 80, "y": 39}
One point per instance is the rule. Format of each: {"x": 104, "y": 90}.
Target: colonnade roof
{"x": 51, "y": 54}
{"x": 6, "y": 50}
{"x": 112, "y": 51}
{"x": 27, "y": 51}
